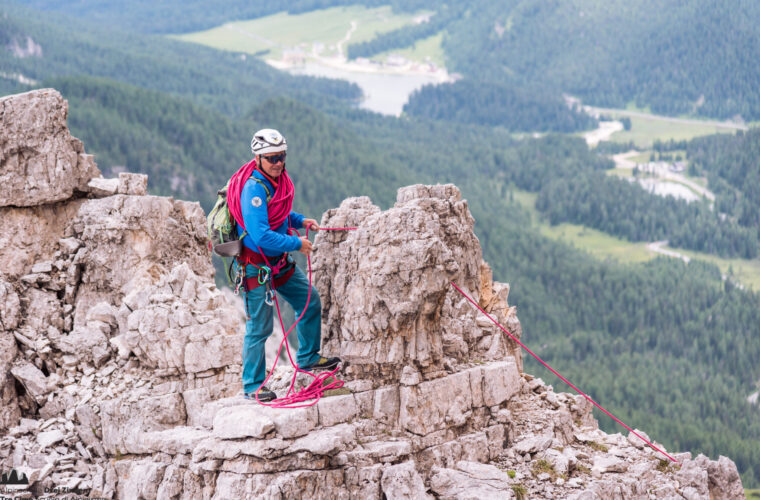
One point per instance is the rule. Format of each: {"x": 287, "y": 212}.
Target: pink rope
{"x": 316, "y": 389}
{"x": 563, "y": 378}
{"x": 235, "y": 187}
{"x": 280, "y": 205}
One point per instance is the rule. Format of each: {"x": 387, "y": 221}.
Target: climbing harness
{"x": 318, "y": 386}
{"x": 560, "y": 376}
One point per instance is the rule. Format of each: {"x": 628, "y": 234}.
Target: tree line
{"x": 405, "y": 36}
{"x": 625, "y": 210}
{"x": 493, "y": 104}
{"x": 217, "y": 79}
{"x": 730, "y": 162}
{"x": 687, "y": 59}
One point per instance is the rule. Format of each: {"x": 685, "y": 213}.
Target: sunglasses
{"x": 275, "y": 158}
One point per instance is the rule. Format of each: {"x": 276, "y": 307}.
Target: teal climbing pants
{"x": 259, "y": 325}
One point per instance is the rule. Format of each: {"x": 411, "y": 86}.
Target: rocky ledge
{"x": 120, "y": 360}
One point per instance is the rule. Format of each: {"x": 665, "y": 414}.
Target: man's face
{"x": 273, "y": 164}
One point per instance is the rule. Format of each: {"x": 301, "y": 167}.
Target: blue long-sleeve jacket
{"x": 253, "y": 204}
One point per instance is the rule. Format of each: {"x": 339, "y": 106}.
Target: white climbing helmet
{"x": 268, "y": 140}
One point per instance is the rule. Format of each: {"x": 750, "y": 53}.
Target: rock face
{"x": 41, "y": 162}
{"x": 120, "y": 360}
{"x": 386, "y": 288}
{"x": 110, "y": 325}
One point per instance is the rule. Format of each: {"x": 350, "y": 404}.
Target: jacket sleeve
{"x": 253, "y": 204}
{"x": 296, "y": 220}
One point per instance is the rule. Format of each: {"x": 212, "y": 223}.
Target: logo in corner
{"x": 13, "y": 478}
{"x": 256, "y": 201}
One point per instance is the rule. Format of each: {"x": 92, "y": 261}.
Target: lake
{"x": 384, "y": 93}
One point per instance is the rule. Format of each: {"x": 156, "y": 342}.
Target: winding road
{"x": 656, "y": 247}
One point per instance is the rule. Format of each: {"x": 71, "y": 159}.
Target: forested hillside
{"x": 732, "y": 166}
{"x": 689, "y": 58}
{"x": 146, "y": 16}
{"x": 520, "y": 110}
{"x": 667, "y": 347}
{"x": 624, "y": 209}
{"x": 222, "y": 80}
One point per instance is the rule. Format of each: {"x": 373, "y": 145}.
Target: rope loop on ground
{"x": 316, "y": 389}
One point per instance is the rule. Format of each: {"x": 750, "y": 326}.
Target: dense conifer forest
{"x": 515, "y": 109}
{"x": 731, "y": 165}
{"x": 689, "y": 58}
{"x": 624, "y": 209}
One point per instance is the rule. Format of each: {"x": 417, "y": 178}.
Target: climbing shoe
{"x": 265, "y": 395}
{"x": 322, "y": 364}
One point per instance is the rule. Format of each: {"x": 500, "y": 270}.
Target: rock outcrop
{"x": 108, "y": 311}
{"x": 120, "y": 360}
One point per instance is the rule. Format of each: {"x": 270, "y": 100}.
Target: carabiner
{"x": 239, "y": 279}
{"x": 264, "y": 273}
{"x": 269, "y": 298}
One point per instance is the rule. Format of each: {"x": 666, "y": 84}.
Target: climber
{"x": 264, "y": 212}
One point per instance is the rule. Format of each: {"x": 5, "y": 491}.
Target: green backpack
{"x": 223, "y": 235}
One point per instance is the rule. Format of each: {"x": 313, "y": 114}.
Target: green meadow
{"x": 271, "y": 36}
{"x": 603, "y": 246}
{"x": 427, "y": 49}
{"x": 645, "y": 130}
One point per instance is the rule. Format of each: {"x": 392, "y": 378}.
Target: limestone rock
{"x": 40, "y": 162}
{"x": 242, "y": 421}
{"x": 403, "y": 481}
{"x": 326, "y": 442}
{"x": 608, "y": 464}
{"x": 101, "y": 187}
{"x": 48, "y": 438}
{"x": 725, "y": 482}
{"x": 436, "y": 404}
{"x": 636, "y": 440}
{"x": 87, "y": 343}
{"x": 131, "y": 239}
{"x": 33, "y": 380}
{"x": 174, "y": 441}
{"x": 470, "y": 480}
{"x": 387, "y": 292}
{"x": 30, "y": 235}
{"x": 10, "y": 308}
{"x": 337, "y": 409}
{"x": 149, "y": 472}
{"x": 193, "y": 335}
{"x": 135, "y": 184}
{"x": 123, "y": 422}
{"x": 533, "y": 444}
{"x": 9, "y": 409}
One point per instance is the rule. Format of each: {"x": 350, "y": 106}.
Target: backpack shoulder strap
{"x": 263, "y": 184}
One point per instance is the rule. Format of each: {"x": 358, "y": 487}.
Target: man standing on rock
{"x": 264, "y": 214}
